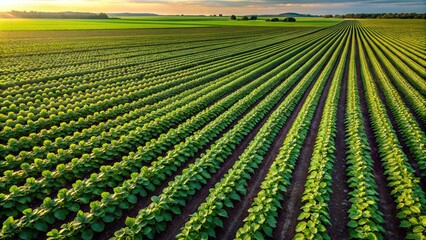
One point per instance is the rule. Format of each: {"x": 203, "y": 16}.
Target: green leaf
{"x": 54, "y": 233}
{"x": 415, "y": 209}
{"x": 161, "y": 227}
{"x": 11, "y": 212}
{"x": 159, "y": 218}
{"x": 130, "y": 221}
{"x": 268, "y": 230}
{"x": 41, "y": 226}
{"x": 206, "y": 174}
{"x": 405, "y": 224}
{"x": 8, "y": 204}
{"x": 352, "y": 224}
{"x": 271, "y": 221}
{"x": 132, "y": 198}
{"x": 222, "y": 213}
{"x": 301, "y": 226}
{"x": 419, "y": 229}
{"x": 235, "y": 196}
{"x": 299, "y": 236}
{"x": 123, "y": 205}
{"x": 259, "y": 236}
{"x": 413, "y": 236}
{"x": 204, "y": 236}
{"x": 108, "y": 219}
{"x": 229, "y": 203}
{"x": 423, "y": 221}
{"x": 61, "y": 214}
{"x": 26, "y": 235}
{"x": 84, "y": 200}
{"x": 98, "y": 226}
{"x": 49, "y": 218}
{"x": 176, "y": 210}
{"x": 147, "y": 230}
{"x": 303, "y": 215}
{"x": 142, "y": 192}
{"x": 87, "y": 234}
{"x": 74, "y": 207}
{"x": 218, "y": 222}
{"x": 211, "y": 232}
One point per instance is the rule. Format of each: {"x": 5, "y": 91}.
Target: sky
{"x": 226, "y": 7}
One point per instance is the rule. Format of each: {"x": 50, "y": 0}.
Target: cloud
{"x": 228, "y": 6}
{"x": 305, "y": 6}
{"x": 303, "y": 3}
{"x": 274, "y": 2}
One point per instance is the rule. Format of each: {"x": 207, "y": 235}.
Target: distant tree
{"x": 233, "y": 17}
{"x": 220, "y": 15}
{"x": 268, "y": 20}
{"x": 244, "y": 18}
{"x": 289, "y": 19}
{"x": 102, "y": 16}
{"x": 253, "y": 18}
{"x": 275, "y": 20}
{"x": 328, "y": 16}
{"x": 420, "y": 16}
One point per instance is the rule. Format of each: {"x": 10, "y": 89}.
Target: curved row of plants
{"x": 365, "y": 218}
{"x": 410, "y": 198}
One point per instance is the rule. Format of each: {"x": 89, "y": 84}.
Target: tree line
{"x": 58, "y": 15}
{"x": 380, "y": 15}
{"x": 245, "y": 18}
{"x": 287, "y": 19}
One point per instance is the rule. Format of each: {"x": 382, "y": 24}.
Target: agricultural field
{"x": 153, "y": 22}
{"x": 314, "y": 131}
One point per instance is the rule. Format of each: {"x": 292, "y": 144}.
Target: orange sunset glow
{"x": 171, "y": 7}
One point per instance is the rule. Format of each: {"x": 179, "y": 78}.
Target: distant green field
{"x": 152, "y": 22}
{"x": 408, "y": 29}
